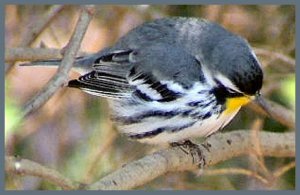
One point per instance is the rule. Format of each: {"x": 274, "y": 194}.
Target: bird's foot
{"x": 189, "y": 147}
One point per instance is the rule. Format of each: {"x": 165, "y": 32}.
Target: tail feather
{"x": 50, "y": 62}
{"x": 82, "y": 65}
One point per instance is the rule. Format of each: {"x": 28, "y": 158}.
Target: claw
{"x": 189, "y": 147}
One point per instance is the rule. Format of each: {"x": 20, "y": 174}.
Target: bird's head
{"x": 236, "y": 67}
{"x": 235, "y": 72}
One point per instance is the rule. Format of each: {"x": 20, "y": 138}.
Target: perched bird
{"x": 172, "y": 79}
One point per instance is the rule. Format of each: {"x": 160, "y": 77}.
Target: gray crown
{"x": 208, "y": 42}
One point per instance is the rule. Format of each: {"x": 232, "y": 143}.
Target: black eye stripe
{"x": 230, "y": 92}
{"x": 222, "y": 93}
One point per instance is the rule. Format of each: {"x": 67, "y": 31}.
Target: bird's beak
{"x": 259, "y": 99}
{"x": 261, "y": 102}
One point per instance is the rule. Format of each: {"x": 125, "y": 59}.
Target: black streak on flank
{"x": 196, "y": 103}
{"x": 142, "y": 95}
{"x": 148, "y": 134}
{"x": 166, "y": 94}
{"x": 176, "y": 129}
{"x": 159, "y": 130}
{"x": 162, "y": 89}
{"x": 139, "y": 117}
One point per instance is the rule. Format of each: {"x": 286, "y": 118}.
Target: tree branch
{"x": 235, "y": 171}
{"x": 13, "y": 165}
{"x": 284, "y": 58}
{"x": 32, "y": 54}
{"x": 36, "y": 28}
{"x": 274, "y": 110}
{"x": 215, "y": 149}
{"x": 61, "y": 76}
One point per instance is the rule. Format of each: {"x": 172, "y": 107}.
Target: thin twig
{"x": 275, "y": 111}
{"x": 215, "y": 149}
{"x": 35, "y": 28}
{"x": 21, "y": 167}
{"x": 32, "y": 54}
{"x": 61, "y": 76}
{"x": 282, "y": 170}
{"x": 288, "y": 60}
{"x": 256, "y": 128}
{"x": 257, "y": 152}
{"x": 269, "y": 88}
{"x": 235, "y": 171}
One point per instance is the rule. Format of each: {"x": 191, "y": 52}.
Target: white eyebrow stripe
{"x": 255, "y": 57}
{"x": 226, "y": 82}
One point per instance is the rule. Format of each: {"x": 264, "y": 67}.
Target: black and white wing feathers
{"x": 146, "y": 74}
{"x": 108, "y": 78}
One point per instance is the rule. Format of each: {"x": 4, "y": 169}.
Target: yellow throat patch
{"x": 232, "y": 104}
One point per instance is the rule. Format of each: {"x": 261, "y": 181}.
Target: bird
{"x": 171, "y": 79}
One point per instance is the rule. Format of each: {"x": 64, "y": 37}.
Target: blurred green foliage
{"x": 288, "y": 90}
{"x": 12, "y": 115}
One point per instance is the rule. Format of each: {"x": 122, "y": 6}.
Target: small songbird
{"x": 172, "y": 79}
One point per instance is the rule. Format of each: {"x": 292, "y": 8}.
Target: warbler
{"x": 172, "y": 79}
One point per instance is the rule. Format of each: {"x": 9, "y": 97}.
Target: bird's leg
{"x": 189, "y": 147}
{"x": 181, "y": 146}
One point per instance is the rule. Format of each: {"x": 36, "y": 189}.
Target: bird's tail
{"x": 50, "y": 62}
{"x": 81, "y": 65}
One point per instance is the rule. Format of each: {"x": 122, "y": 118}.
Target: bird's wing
{"x": 149, "y": 73}
{"x": 108, "y": 77}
